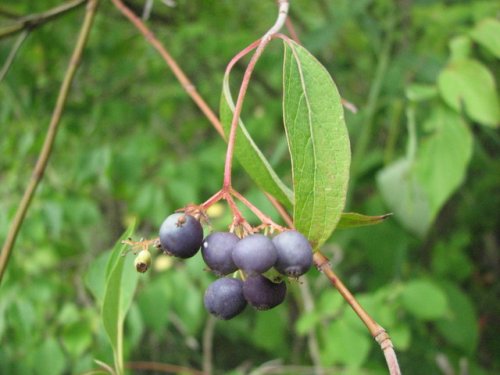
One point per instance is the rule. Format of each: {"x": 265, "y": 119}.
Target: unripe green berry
{"x": 142, "y": 261}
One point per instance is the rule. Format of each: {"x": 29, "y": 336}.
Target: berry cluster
{"x": 289, "y": 252}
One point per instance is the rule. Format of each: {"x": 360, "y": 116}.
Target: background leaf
{"x": 416, "y": 187}
{"x": 470, "y": 84}
{"x": 459, "y": 326}
{"x": 424, "y": 299}
{"x": 120, "y": 287}
{"x": 443, "y": 156}
{"x": 318, "y": 142}
{"x": 486, "y": 33}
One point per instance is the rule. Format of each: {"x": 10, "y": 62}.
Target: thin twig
{"x": 282, "y": 14}
{"x": 208, "y": 340}
{"x": 12, "y": 54}
{"x": 35, "y": 20}
{"x": 43, "y": 158}
{"x": 378, "y": 333}
{"x": 178, "y": 72}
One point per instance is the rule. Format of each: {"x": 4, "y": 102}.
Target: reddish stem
{"x": 281, "y": 210}
{"x": 237, "y": 111}
{"x": 240, "y": 55}
{"x": 260, "y": 215}
{"x": 213, "y": 199}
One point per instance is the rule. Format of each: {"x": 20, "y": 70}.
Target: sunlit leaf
{"x": 468, "y": 84}
{"x": 318, "y": 142}
{"x": 486, "y": 33}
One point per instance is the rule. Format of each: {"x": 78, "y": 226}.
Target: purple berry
{"x": 217, "y": 251}
{"x": 224, "y": 298}
{"x": 262, "y": 293}
{"x": 254, "y": 254}
{"x": 294, "y": 253}
{"x": 181, "y": 235}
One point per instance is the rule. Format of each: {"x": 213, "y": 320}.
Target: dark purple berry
{"x": 217, "y": 251}
{"x": 224, "y": 298}
{"x": 294, "y": 253}
{"x": 262, "y": 293}
{"x": 254, "y": 254}
{"x": 181, "y": 235}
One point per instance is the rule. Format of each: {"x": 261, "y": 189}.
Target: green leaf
{"x": 460, "y": 325}
{"x": 470, "y": 84}
{"x": 343, "y": 344}
{"x": 443, "y": 156}
{"x": 353, "y": 220}
{"x": 415, "y": 188}
{"x": 49, "y": 358}
{"x": 318, "y": 142}
{"x": 121, "y": 281}
{"x": 424, "y": 299}
{"x": 249, "y": 154}
{"x": 405, "y": 196}
{"x": 486, "y": 33}
{"x": 95, "y": 277}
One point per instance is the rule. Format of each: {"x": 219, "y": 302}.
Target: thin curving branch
{"x": 35, "y": 20}
{"x": 178, "y": 72}
{"x": 264, "y": 41}
{"x": 12, "y": 54}
{"x": 43, "y": 158}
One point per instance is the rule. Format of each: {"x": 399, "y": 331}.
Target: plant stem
{"x": 34, "y": 20}
{"x": 260, "y": 215}
{"x": 208, "y": 340}
{"x": 178, "y": 72}
{"x": 43, "y": 158}
{"x": 281, "y": 210}
{"x": 12, "y": 54}
{"x": 378, "y": 333}
{"x": 282, "y": 15}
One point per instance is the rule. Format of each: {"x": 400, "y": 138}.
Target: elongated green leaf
{"x": 120, "y": 286}
{"x": 353, "y": 220}
{"x": 318, "y": 142}
{"x": 249, "y": 154}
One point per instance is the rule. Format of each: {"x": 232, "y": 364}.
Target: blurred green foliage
{"x": 133, "y": 145}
